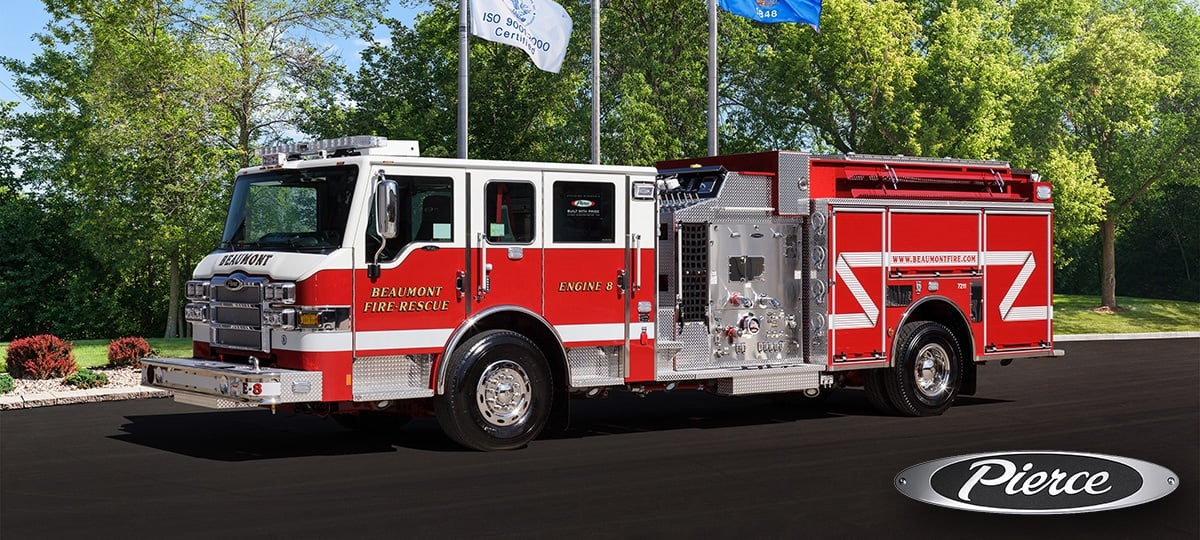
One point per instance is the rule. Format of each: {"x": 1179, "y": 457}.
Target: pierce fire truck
{"x": 358, "y": 280}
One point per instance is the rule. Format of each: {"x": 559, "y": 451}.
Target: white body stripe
{"x": 436, "y": 337}
{"x": 571, "y": 333}
{"x": 401, "y": 339}
{"x": 869, "y": 315}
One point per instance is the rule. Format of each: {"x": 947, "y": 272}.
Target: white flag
{"x": 541, "y": 28}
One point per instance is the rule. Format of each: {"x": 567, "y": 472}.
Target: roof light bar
{"x": 280, "y": 153}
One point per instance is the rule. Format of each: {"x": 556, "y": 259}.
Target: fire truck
{"x": 358, "y": 280}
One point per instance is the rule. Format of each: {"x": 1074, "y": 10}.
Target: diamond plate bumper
{"x": 222, "y": 385}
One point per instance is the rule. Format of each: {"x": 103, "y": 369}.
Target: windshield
{"x": 295, "y": 210}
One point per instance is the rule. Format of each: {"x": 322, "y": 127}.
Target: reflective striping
{"x": 870, "y": 313}
{"x": 438, "y": 337}
{"x": 1010, "y": 298}
{"x": 401, "y": 339}
{"x": 311, "y": 341}
{"x": 1031, "y": 313}
{"x": 573, "y": 333}
{"x": 1005, "y": 258}
{"x": 869, "y": 316}
{"x": 849, "y": 321}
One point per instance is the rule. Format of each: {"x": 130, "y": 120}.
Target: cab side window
{"x": 585, "y": 212}
{"x": 426, "y": 215}
{"x": 509, "y": 210}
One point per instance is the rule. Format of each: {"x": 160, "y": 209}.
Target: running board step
{"x": 742, "y": 380}
{"x": 788, "y": 381}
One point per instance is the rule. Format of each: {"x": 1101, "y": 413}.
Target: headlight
{"x": 196, "y": 312}
{"x": 284, "y": 319}
{"x": 280, "y": 293}
{"x": 196, "y": 290}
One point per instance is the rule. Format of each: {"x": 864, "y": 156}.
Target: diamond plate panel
{"x": 696, "y": 352}
{"x": 793, "y": 380}
{"x": 301, "y": 386}
{"x": 793, "y": 183}
{"x": 592, "y": 366}
{"x": 392, "y": 377}
{"x": 200, "y": 400}
{"x": 738, "y": 191}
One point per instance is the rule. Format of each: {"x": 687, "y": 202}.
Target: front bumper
{"x": 223, "y": 385}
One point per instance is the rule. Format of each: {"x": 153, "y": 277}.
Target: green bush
{"x": 6, "y": 383}
{"x": 86, "y": 378}
{"x": 40, "y": 357}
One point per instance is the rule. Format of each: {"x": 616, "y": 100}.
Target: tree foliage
{"x": 143, "y": 109}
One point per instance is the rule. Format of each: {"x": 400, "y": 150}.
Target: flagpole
{"x": 712, "y": 77}
{"x": 595, "y": 81}
{"x": 463, "y": 60}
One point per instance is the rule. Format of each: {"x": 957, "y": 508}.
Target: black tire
{"x": 927, "y": 372}
{"x": 876, "y": 391}
{"x": 373, "y": 421}
{"x": 498, "y": 392}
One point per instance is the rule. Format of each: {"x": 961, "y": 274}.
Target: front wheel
{"x": 928, "y": 370}
{"x": 498, "y": 392}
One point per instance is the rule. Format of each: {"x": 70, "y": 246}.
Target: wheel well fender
{"x": 516, "y": 319}
{"x": 941, "y": 310}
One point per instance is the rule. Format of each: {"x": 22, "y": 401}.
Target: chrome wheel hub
{"x": 503, "y": 393}
{"x": 931, "y": 371}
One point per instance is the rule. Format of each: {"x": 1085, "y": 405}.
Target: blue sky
{"x": 23, "y": 18}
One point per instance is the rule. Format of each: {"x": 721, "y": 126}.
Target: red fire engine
{"x": 359, "y": 280}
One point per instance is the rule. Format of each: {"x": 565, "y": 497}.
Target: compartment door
{"x": 1017, "y": 281}
{"x": 856, "y": 286}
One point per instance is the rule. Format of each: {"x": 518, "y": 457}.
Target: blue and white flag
{"x": 776, "y": 11}
{"x": 541, "y": 28}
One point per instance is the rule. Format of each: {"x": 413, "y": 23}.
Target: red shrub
{"x": 127, "y": 351}
{"x": 40, "y": 357}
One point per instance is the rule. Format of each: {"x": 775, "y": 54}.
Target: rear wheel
{"x": 928, "y": 370}
{"x": 498, "y": 392}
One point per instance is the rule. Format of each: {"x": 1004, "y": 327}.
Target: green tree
{"x": 848, "y": 88}
{"x": 143, "y": 109}
{"x": 266, "y": 59}
{"x": 1116, "y": 95}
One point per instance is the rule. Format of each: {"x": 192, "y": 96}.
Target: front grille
{"x": 236, "y": 313}
{"x": 240, "y": 339}
{"x": 247, "y": 294}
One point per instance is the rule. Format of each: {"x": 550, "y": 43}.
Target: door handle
{"x": 485, "y": 270}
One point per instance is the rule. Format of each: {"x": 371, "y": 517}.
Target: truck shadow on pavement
{"x": 251, "y": 435}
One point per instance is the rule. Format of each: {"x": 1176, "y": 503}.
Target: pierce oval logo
{"x": 1036, "y": 482}
{"x": 582, "y": 203}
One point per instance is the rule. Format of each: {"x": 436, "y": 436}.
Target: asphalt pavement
{"x": 683, "y": 464}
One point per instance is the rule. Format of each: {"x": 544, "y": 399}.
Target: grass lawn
{"x": 1073, "y": 315}
{"x": 91, "y": 353}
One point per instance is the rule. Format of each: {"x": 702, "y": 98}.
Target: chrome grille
{"x": 248, "y": 293}
{"x": 236, "y": 312}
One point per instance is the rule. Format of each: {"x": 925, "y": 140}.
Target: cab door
{"x": 587, "y": 281}
{"x": 414, "y": 303}
{"x": 506, "y": 239}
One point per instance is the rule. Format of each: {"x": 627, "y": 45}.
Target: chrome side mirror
{"x": 387, "y": 207}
